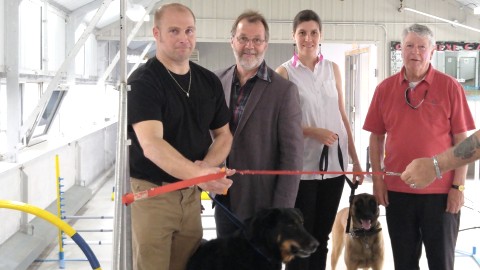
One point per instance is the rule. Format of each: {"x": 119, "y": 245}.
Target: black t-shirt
{"x": 187, "y": 121}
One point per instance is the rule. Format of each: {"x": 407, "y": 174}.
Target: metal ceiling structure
{"x": 73, "y": 7}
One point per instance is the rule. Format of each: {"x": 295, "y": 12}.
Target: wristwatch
{"x": 459, "y": 187}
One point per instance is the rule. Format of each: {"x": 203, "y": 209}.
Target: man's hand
{"x": 455, "y": 201}
{"x": 420, "y": 172}
{"x": 218, "y": 186}
{"x": 380, "y": 190}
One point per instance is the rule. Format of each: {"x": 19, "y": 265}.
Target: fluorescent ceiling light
{"x": 443, "y": 20}
{"x": 476, "y": 10}
{"x": 136, "y": 13}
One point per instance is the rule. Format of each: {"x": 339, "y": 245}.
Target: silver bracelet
{"x": 437, "y": 168}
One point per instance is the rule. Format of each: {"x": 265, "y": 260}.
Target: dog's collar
{"x": 258, "y": 251}
{"x": 359, "y": 232}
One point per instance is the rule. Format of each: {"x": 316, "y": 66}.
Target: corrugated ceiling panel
{"x": 215, "y": 17}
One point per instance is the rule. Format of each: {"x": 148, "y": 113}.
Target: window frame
{"x": 43, "y": 116}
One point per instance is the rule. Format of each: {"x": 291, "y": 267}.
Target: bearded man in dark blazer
{"x": 266, "y": 124}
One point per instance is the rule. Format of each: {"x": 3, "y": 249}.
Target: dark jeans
{"x": 414, "y": 219}
{"x": 318, "y": 200}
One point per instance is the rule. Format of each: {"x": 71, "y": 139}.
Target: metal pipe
{"x": 130, "y": 37}
{"x": 90, "y": 243}
{"x": 58, "y": 181}
{"x": 96, "y": 230}
{"x": 87, "y": 217}
{"x": 142, "y": 55}
{"x": 442, "y": 19}
{"x": 121, "y": 245}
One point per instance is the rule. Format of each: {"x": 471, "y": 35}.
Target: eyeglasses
{"x": 255, "y": 41}
{"x": 407, "y": 99}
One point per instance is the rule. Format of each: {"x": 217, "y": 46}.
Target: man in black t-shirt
{"x": 178, "y": 124}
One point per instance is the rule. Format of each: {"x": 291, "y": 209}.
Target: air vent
{"x": 195, "y": 57}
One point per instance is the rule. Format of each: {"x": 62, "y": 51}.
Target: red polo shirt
{"x": 422, "y": 132}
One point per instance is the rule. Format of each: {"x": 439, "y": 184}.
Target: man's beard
{"x": 250, "y": 63}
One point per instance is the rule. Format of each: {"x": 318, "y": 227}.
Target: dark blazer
{"x": 269, "y": 136}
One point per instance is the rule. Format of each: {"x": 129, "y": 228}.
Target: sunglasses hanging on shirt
{"x": 407, "y": 98}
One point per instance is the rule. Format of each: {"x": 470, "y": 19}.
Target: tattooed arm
{"x": 421, "y": 171}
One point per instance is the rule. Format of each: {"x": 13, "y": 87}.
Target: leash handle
{"x": 131, "y": 197}
{"x": 323, "y": 164}
{"x": 324, "y": 167}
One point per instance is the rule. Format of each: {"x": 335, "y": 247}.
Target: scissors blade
{"x": 393, "y": 173}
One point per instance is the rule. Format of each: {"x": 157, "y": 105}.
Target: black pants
{"x": 318, "y": 200}
{"x": 414, "y": 219}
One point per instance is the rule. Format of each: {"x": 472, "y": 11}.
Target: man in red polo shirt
{"x": 415, "y": 113}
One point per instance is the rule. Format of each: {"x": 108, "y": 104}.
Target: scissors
{"x": 393, "y": 173}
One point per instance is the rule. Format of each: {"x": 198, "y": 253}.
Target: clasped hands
{"x": 218, "y": 186}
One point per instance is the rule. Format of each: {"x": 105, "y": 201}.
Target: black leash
{"x": 350, "y": 200}
{"x": 323, "y": 166}
{"x": 228, "y": 213}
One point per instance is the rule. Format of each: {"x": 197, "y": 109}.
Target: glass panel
{"x": 49, "y": 113}
{"x": 30, "y": 35}
{"x": 41, "y": 116}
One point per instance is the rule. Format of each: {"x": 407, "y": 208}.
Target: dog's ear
{"x": 298, "y": 213}
{"x": 263, "y": 220}
{"x": 267, "y": 216}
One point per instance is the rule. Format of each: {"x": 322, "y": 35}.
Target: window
{"x": 40, "y": 120}
{"x": 30, "y": 35}
{"x": 49, "y": 113}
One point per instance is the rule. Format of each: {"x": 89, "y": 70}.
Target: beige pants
{"x": 166, "y": 229}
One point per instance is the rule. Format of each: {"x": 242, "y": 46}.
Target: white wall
{"x": 10, "y": 219}
{"x": 219, "y": 55}
{"x": 2, "y": 36}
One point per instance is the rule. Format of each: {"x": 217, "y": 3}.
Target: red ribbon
{"x": 131, "y": 197}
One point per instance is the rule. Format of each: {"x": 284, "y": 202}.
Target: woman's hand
{"x": 358, "y": 177}
{"x": 322, "y": 135}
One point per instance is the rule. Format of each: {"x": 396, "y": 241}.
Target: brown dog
{"x": 364, "y": 243}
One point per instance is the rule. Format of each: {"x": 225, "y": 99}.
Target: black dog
{"x": 271, "y": 237}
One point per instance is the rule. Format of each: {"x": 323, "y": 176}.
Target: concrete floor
{"x": 102, "y": 205}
